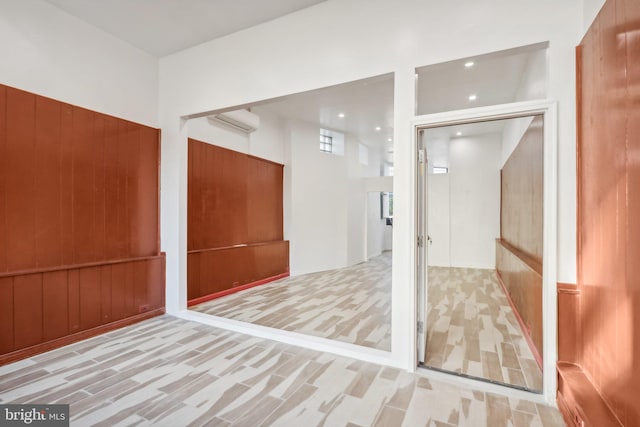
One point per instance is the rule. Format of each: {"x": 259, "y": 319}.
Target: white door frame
{"x": 547, "y": 108}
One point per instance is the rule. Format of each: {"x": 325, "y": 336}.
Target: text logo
{"x": 34, "y": 415}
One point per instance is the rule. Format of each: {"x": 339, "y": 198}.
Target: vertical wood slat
{"x": 6, "y": 315}
{"x": 48, "y": 223}
{"x": 264, "y": 201}
{"x": 55, "y": 304}
{"x": 105, "y": 294}
{"x": 99, "y": 191}
{"x": 66, "y": 184}
{"x": 19, "y": 180}
{"x": 69, "y": 194}
{"x": 608, "y": 206}
{"x": 3, "y": 168}
{"x": 134, "y": 222}
{"x": 73, "y": 289}
{"x": 90, "y": 284}
{"x": 147, "y": 201}
{"x": 28, "y": 318}
{"x": 118, "y": 291}
{"x": 83, "y": 193}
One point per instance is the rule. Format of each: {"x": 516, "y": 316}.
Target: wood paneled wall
{"x": 235, "y": 220}
{"x": 79, "y": 239}
{"x": 519, "y": 249}
{"x": 521, "y": 194}
{"x": 608, "y": 75}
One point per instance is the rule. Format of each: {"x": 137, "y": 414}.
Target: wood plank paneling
{"x": 233, "y": 199}
{"x": 271, "y": 259}
{"x": 264, "y": 196}
{"x": 73, "y": 291}
{"x": 19, "y": 180}
{"x": 522, "y": 185}
{"x": 118, "y": 291}
{"x": 6, "y": 315}
{"x": 66, "y": 183}
{"x": 83, "y": 193}
{"x": 524, "y": 286}
{"x": 147, "y": 201}
{"x": 608, "y": 208}
{"x": 99, "y": 191}
{"x": 27, "y": 311}
{"x": 106, "y": 293}
{"x": 90, "y": 285}
{"x": 48, "y": 223}
{"x": 55, "y": 304}
{"x": 76, "y": 187}
{"x": 3, "y": 168}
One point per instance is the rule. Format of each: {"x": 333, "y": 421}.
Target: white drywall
{"x": 317, "y": 228}
{"x": 267, "y": 142}
{"x": 474, "y": 173}
{"x": 590, "y": 10}
{"x": 368, "y": 37}
{"x": 532, "y": 86}
{"x": 439, "y": 220}
{"x": 51, "y": 53}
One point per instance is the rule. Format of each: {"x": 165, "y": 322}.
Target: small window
{"x": 440, "y": 169}
{"x": 326, "y": 143}
{"x": 331, "y": 142}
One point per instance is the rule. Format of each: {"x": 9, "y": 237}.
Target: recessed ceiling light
{"x": 469, "y": 64}
{"x": 458, "y": 133}
{"x": 341, "y": 115}
{"x": 390, "y": 140}
{"x": 378, "y": 128}
{"x": 472, "y": 97}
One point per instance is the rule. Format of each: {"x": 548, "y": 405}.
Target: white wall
{"x": 474, "y": 173}
{"x": 268, "y": 142}
{"x": 368, "y": 38}
{"x": 318, "y": 227}
{"x": 51, "y": 53}
{"x": 325, "y": 201}
{"x": 590, "y": 10}
{"x": 533, "y": 85}
{"x": 439, "y": 220}
{"x": 512, "y": 133}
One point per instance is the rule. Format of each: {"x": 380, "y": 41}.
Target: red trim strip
{"x": 525, "y": 329}
{"x": 215, "y": 295}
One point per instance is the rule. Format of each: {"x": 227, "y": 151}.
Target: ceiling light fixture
{"x": 378, "y": 128}
{"x": 458, "y": 133}
{"x": 469, "y": 64}
{"x": 390, "y": 140}
{"x": 472, "y": 97}
{"x": 341, "y": 115}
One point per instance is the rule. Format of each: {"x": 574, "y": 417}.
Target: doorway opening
{"x": 486, "y": 254}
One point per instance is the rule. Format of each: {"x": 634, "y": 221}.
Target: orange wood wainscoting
{"x": 599, "y": 378}
{"x": 235, "y": 222}
{"x": 519, "y": 249}
{"x": 79, "y": 223}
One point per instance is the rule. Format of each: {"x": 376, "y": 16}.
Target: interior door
{"x": 422, "y": 238}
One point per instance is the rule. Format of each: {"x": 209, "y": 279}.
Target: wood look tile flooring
{"x": 170, "y": 372}
{"x": 351, "y": 304}
{"x": 471, "y": 329}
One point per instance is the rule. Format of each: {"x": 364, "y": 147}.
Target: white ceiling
{"x": 366, "y": 104}
{"x": 162, "y": 27}
{"x": 494, "y": 78}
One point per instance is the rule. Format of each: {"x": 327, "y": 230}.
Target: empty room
{"x": 319, "y": 212}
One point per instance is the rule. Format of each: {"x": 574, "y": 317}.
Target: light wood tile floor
{"x": 350, "y": 304}
{"x": 471, "y": 329}
{"x": 170, "y": 372}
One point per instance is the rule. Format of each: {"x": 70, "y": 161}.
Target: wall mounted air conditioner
{"x": 240, "y": 120}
